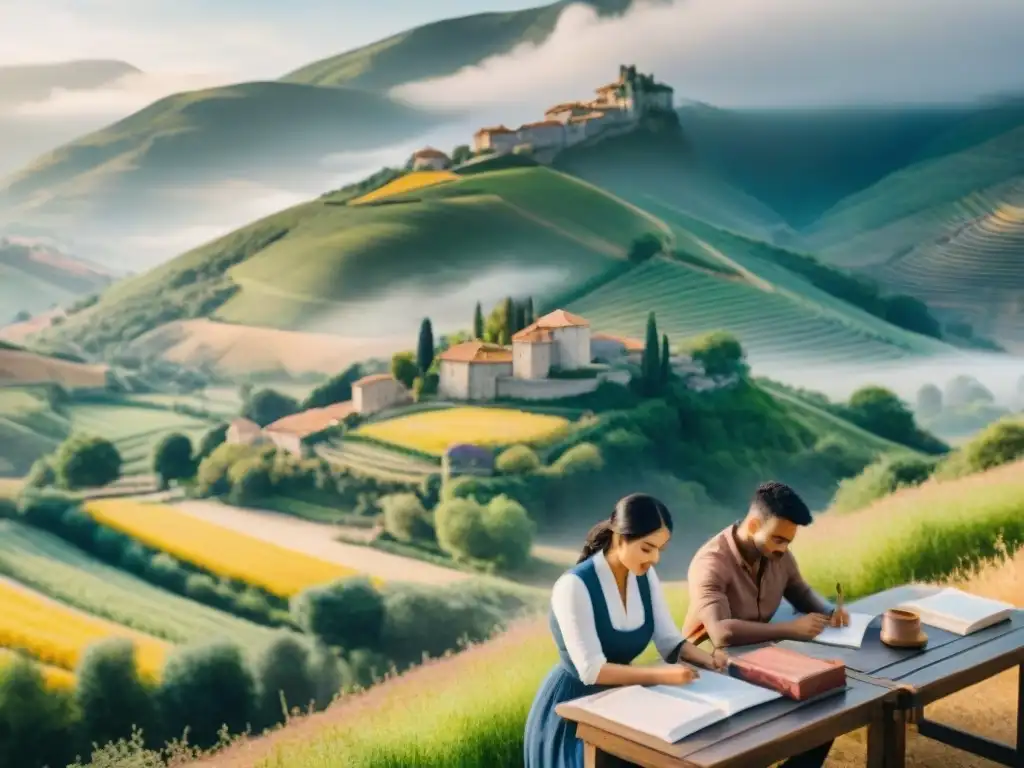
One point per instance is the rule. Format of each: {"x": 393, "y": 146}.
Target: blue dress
{"x": 550, "y": 741}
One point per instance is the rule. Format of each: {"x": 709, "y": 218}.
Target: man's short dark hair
{"x": 775, "y": 499}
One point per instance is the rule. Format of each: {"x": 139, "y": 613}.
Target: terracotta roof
{"x": 477, "y": 352}
{"x": 631, "y": 345}
{"x": 373, "y": 378}
{"x": 533, "y": 335}
{"x": 541, "y": 124}
{"x": 497, "y": 129}
{"x": 245, "y": 426}
{"x": 312, "y": 421}
{"x": 557, "y": 319}
{"x": 609, "y": 87}
{"x": 565, "y": 106}
{"x": 429, "y": 152}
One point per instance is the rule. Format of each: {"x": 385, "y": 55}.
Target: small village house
{"x": 498, "y": 139}
{"x": 243, "y": 432}
{"x": 295, "y": 433}
{"x": 469, "y": 371}
{"x": 430, "y": 159}
{"x": 608, "y": 348}
{"x": 559, "y": 340}
{"x": 377, "y": 392}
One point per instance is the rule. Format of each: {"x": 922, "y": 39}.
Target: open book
{"x": 673, "y": 712}
{"x": 959, "y": 612}
{"x": 850, "y": 636}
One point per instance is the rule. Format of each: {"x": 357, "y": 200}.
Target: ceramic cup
{"x": 902, "y": 629}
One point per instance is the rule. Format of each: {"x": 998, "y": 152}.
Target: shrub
{"x": 517, "y": 460}
{"x": 719, "y": 354}
{"x": 206, "y": 688}
{"x": 36, "y": 725}
{"x": 886, "y": 475}
{"x": 111, "y": 698}
{"x": 284, "y": 679}
{"x": 41, "y": 474}
{"x": 625, "y": 447}
{"x": 347, "y": 614}
{"x": 250, "y": 482}
{"x": 509, "y": 532}
{"x": 86, "y": 462}
{"x": 405, "y": 518}
{"x": 212, "y": 477}
{"x": 581, "y": 458}
{"x": 211, "y": 441}
{"x": 172, "y": 459}
{"x": 269, "y": 405}
{"x": 999, "y": 443}
{"x": 460, "y": 527}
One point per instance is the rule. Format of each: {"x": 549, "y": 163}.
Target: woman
{"x": 604, "y": 612}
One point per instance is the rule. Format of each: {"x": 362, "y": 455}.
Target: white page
{"x": 727, "y": 693}
{"x": 850, "y": 636}
{"x": 667, "y": 717}
{"x": 958, "y": 605}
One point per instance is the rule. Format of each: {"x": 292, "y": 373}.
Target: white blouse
{"x": 574, "y": 613}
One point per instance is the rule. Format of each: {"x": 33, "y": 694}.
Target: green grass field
{"x": 376, "y": 461}
{"x": 471, "y": 712}
{"x": 134, "y": 431}
{"x": 67, "y": 574}
{"x": 28, "y": 429}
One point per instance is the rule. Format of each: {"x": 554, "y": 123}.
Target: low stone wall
{"x": 544, "y": 389}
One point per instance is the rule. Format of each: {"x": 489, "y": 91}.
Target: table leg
{"x": 877, "y": 734}
{"x": 589, "y": 755}
{"x": 896, "y": 741}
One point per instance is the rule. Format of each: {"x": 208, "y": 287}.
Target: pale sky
{"x": 238, "y": 39}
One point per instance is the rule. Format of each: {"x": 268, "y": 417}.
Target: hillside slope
{"x": 34, "y": 277}
{"x": 441, "y": 48}
{"x": 945, "y": 229}
{"x": 146, "y": 171}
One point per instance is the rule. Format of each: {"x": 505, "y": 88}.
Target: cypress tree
{"x": 478, "y": 322}
{"x": 508, "y": 320}
{"x": 528, "y": 319}
{"x": 650, "y": 367}
{"x": 520, "y": 317}
{"x": 425, "y": 347}
{"x": 666, "y": 364}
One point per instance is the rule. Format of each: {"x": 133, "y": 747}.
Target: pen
{"x": 839, "y": 594}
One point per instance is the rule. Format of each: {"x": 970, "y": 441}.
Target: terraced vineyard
{"x": 376, "y": 461}
{"x": 975, "y": 268}
{"x": 135, "y": 431}
{"x": 773, "y": 326}
{"x": 68, "y": 574}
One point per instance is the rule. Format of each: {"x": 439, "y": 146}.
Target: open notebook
{"x": 673, "y": 712}
{"x": 850, "y": 636}
{"x": 959, "y": 612}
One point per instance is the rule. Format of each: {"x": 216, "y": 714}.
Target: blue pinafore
{"x": 550, "y": 741}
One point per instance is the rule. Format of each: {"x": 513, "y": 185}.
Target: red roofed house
{"x": 243, "y": 432}
{"x": 470, "y": 371}
{"x": 559, "y": 340}
{"x": 543, "y": 134}
{"x": 292, "y": 433}
{"x": 609, "y": 348}
{"x": 430, "y": 159}
{"x": 498, "y": 139}
{"x": 377, "y": 392}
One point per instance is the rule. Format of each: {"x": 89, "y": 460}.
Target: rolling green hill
{"x": 440, "y": 48}
{"x": 252, "y": 131}
{"x": 946, "y": 229}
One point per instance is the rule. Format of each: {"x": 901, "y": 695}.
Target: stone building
{"x": 377, "y": 392}
{"x": 430, "y": 159}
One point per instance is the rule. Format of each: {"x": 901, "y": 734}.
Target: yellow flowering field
{"x": 433, "y": 431}
{"x": 222, "y": 551}
{"x": 57, "y": 635}
{"x": 408, "y": 183}
{"x": 55, "y": 677}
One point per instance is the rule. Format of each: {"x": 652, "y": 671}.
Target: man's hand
{"x": 809, "y": 626}
{"x": 839, "y": 618}
{"x": 719, "y": 660}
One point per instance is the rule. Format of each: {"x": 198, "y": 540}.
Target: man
{"x": 737, "y": 581}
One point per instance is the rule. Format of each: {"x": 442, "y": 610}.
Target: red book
{"x": 790, "y": 673}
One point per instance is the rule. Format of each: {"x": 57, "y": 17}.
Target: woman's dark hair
{"x": 635, "y": 516}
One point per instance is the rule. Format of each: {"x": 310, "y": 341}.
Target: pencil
{"x": 839, "y": 600}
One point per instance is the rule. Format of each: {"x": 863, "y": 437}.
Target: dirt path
{"x": 317, "y": 539}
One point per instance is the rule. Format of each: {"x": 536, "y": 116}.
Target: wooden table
{"x": 755, "y": 738}
{"x": 943, "y": 668}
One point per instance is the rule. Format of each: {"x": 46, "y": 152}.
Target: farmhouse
{"x": 607, "y": 348}
{"x": 499, "y": 139}
{"x": 293, "y": 433}
{"x": 376, "y": 392}
{"x": 430, "y": 159}
{"x": 550, "y": 358}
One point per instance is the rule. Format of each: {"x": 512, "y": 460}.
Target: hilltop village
{"x": 617, "y": 109}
